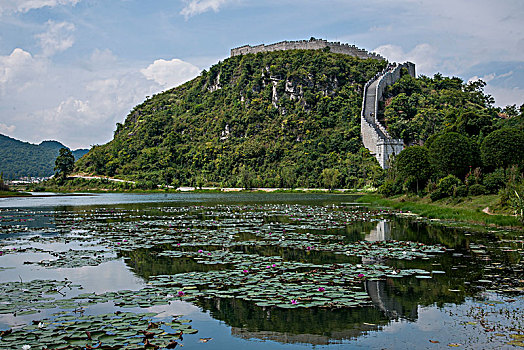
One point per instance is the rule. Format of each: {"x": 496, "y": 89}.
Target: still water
{"x": 257, "y": 270}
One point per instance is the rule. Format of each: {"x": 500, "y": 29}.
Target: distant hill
{"x": 285, "y": 119}
{"x": 274, "y": 119}
{"x": 18, "y": 158}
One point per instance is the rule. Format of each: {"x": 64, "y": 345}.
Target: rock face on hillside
{"x": 275, "y": 119}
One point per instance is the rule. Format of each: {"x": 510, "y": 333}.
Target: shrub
{"x": 390, "y": 188}
{"x": 448, "y": 184}
{"x": 502, "y": 148}
{"x": 495, "y": 181}
{"x": 446, "y": 187}
{"x": 477, "y": 190}
{"x": 437, "y": 194}
{"x": 461, "y": 191}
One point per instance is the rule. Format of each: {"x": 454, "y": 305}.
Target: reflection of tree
{"x": 314, "y": 326}
{"x": 311, "y": 256}
{"x": 144, "y": 263}
{"x": 409, "y": 230}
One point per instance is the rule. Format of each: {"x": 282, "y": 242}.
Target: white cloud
{"x": 18, "y": 71}
{"x": 56, "y": 38}
{"x": 27, "y": 5}
{"x": 505, "y": 96}
{"x": 196, "y": 7}
{"x": 76, "y": 105}
{"x": 487, "y": 78}
{"x": 101, "y": 58}
{"x": 423, "y": 55}
{"x": 6, "y": 129}
{"x": 170, "y": 73}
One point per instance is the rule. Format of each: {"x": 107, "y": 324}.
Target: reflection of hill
{"x": 146, "y": 264}
{"x": 311, "y": 326}
{"x": 314, "y": 339}
{"x": 393, "y": 298}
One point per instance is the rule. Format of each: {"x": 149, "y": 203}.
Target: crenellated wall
{"x": 312, "y": 44}
{"x": 374, "y": 135}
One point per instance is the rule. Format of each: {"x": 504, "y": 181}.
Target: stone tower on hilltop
{"x": 374, "y": 135}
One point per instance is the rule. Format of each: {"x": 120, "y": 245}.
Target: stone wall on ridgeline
{"x": 312, "y": 44}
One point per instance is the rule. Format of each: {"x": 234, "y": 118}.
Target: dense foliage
{"x": 413, "y": 163}
{"x": 452, "y": 153}
{"x": 417, "y": 108}
{"x": 473, "y": 147}
{"x": 64, "y": 163}
{"x": 502, "y": 148}
{"x": 18, "y": 159}
{"x": 275, "y": 119}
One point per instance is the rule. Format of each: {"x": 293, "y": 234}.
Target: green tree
{"x": 413, "y": 162}
{"x": 503, "y": 148}
{"x": 330, "y": 178}
{"x": 452, "y": 153}
{"x": 3, "y": 186}
{"x": 64, "y": 163}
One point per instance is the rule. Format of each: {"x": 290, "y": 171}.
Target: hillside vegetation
{"x": 277, "y": 119}
{"x": 463, "y": 145}
{"x": 18, "y": 159}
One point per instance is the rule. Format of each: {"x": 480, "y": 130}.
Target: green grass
{"x": 13, "y": 194}
{"x": 467, "y": 210}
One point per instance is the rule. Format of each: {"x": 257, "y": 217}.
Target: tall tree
{"x": 64, "y": 163}
{"x": 413, "y": 162}
{"x": 452, "y": 153}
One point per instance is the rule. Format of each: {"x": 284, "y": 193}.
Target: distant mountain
{"x": 18, "y": 158}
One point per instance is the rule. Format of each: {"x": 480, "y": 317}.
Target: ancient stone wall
{"x": 374, "y": 135}
{"x": 313, "y": 44}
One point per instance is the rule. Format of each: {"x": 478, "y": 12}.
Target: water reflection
{"x": 311, "y": 326}
{"x": 392, "y": 298}
{"x": 455, "y": 275}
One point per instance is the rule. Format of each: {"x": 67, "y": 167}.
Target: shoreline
{"x": 469, "y": 211}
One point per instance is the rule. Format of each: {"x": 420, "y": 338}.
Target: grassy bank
{"x": 13, "y": 194}
{"x": 466, "y": 210}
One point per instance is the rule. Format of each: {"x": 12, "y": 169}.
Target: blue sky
{"x": 71, "y": 69}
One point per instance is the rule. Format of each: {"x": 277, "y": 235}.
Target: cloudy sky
{"x": 71, "y": 69}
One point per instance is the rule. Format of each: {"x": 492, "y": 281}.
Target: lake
{"x": 257, "y": 270}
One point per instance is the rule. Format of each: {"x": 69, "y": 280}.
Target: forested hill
{"x": 271, "y": 119}
{"x": 18, "y": 159}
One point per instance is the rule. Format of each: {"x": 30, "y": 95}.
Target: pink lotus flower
{"x": 321, "y": 289}
{"x": 294, "y": 302}
{"x": 360, "y": 275}
{"x": 274, "y": 265}
{"x": 245, "y": 271}
{"x": 200, "y": 251}
{"x": 181, "y": 293}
